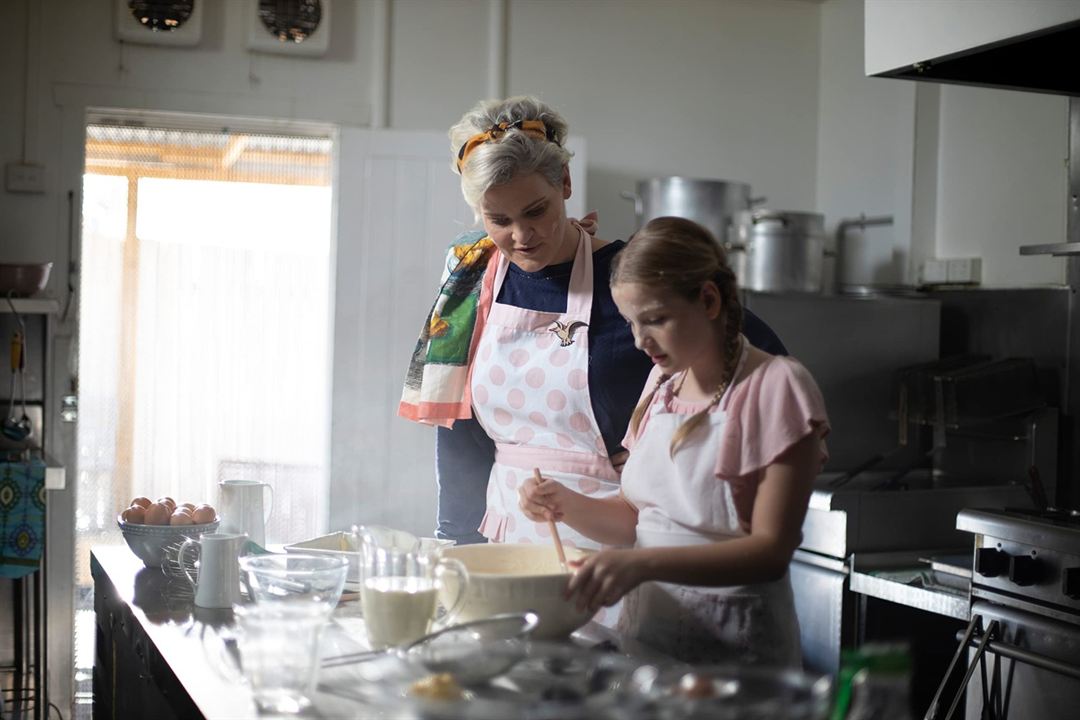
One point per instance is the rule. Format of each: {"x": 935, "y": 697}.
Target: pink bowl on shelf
{"x": 23, "y": 280}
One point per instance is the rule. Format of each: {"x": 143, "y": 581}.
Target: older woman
{"x": 524, "y": 361}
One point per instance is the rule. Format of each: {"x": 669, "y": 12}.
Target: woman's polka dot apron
{"x": 530, "y": 389}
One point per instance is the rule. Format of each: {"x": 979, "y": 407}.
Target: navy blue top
{"x": 617, "y": 373}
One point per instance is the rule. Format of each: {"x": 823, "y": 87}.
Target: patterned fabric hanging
{"x": 22, "y": 517}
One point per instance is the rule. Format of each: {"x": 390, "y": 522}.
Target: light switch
{"x": 24, "y": 178}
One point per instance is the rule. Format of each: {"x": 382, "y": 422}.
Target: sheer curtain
{"x": 204, "y": 334}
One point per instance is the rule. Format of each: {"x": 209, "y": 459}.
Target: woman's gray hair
{"x": 515, "y": 153}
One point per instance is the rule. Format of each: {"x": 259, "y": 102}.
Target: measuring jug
{"x": 218, "y": 582}
{"x": 240, "y": 503}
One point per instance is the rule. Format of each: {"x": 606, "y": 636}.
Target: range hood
{"x": 1032, "y": 45}
{"x": 1048, "y": 62}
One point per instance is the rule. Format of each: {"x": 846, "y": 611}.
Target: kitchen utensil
{"x": 23, "y": 280}
{"x": 554, "y": 530}
{"x": 217, "y": 583}
{"x": 735, "y": 692}
{"x": 150, "y": 542}
{"x": 401, "y": 590}
{"x": 711, "y": 203}
{"x": 241, "y": 506}
{"x": 514, "y": 578}
{"x": 292, "y": 578}
{"x": 495, "y": 629}
{"x": 784, "y": 250}
{"x": 278, "y": 645}
{"x": 16, "y": 428}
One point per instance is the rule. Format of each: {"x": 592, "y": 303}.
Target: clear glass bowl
{"x": 295, "y": 578}
{"x": 734, "y": 692}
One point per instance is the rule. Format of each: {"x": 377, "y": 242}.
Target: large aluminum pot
{"x": 712, "y": 203}
{"x": 782, "y": 251}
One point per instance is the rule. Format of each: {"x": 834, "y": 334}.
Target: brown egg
{"x": 143, "y": 502}
{"x": 167, "y": 501}
{"x": 180, "y": 518}
{"x": 135, "y": 514}
{"x": 204, "y": 514}
{"x": 696, "y": 686}
{"x": 158, "y": 514}
{"x": 189, "y": 506}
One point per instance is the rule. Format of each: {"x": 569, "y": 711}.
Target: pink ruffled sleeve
{"x": 776, "y": 407}
{"x": 630, "y": 438}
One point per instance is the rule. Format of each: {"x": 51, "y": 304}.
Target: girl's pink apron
{"x": 691, "y": 506}
{"x": 530, "y": 389}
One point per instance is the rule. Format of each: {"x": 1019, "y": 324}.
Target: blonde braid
{"x": 731, "y": 329}
{"x": 639, "y": 411}
{"x": 679, "y": 255}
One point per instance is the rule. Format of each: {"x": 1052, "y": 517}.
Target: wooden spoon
{"x": 554, "y": 529}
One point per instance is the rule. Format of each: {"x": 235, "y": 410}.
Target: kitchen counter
{"x": 157, "y": 655}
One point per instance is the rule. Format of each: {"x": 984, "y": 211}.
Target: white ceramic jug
{"x": 218, "y": 581}
{"x": 240, "y": 503}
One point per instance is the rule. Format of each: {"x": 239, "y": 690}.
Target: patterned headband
{"x": 535, "y": 128}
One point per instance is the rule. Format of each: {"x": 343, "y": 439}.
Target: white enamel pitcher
{"x": 217, "y": 583}
{"x": 240, "y": 503}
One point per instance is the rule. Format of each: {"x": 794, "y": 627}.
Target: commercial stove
{"x": 1023, "y": 641}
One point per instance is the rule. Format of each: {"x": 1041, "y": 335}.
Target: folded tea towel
{"x": 22, "y": 517}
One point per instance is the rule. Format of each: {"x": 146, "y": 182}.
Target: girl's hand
{"x": 542, "y": 501}
{"x": 603, "y": 578}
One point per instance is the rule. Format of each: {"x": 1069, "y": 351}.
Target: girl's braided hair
{"x": 680, "y": 256}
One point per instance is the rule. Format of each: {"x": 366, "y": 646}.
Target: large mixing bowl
{"x": 516, "y": 578}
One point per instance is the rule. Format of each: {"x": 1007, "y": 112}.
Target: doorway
{"x": 204, "y": 343}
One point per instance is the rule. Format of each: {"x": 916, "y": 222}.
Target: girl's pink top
{"x": 768, "y": 411}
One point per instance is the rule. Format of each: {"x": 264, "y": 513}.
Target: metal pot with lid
{"x": 779, "y": 250}
{"x": 711, "y": 203}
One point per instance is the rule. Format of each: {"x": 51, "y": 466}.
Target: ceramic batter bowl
{"x": 516, "y": 578}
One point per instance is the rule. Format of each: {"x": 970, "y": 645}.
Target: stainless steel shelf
{"x": 31, "y": 306}
{"x": 900, "y": 578}
{"x": 1057, "y": 249}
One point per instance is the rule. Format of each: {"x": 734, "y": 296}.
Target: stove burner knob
{"x": 1023, "y": 569}
{"x": 990, "y": 562}
{"x": 1070, "y": 582}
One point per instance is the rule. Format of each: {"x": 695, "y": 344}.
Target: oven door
{"x": 1032, "y": 667}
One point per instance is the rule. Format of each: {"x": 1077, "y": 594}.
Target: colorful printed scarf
{"x": 436, "y": 388}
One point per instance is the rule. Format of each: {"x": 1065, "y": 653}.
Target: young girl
{"x": 724, "y": 447}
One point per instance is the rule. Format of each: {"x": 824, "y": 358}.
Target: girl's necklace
{"x": 716, "y": 396}
{"x": 723, "y": 384}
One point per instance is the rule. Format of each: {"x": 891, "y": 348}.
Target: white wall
{"x": 966, "y": 172}
{"x": 1002, "y": 181}
{"x": 866, "y": 140}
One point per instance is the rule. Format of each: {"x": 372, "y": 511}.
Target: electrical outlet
{"x": 964, "y": 271}
{"x": 24, "y": 178}
{"x": 934, "y": 272}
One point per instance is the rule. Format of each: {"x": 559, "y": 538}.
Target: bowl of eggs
{"x": 150, "y": 527}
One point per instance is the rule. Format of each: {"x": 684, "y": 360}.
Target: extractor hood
{"x": 1032, "y": 45}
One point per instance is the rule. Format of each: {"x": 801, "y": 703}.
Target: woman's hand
{"x": 542, "y": 500}
{"x": 603, "y": 578}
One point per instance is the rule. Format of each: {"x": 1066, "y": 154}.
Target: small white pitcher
{"x": 218, "y": 582}
{"x": 240, "y": 503}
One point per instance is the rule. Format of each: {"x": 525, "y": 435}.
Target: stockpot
{"x": 712, "y": 203}
{"x": 778, "y": 250}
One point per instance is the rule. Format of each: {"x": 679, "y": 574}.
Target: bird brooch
{"x": 565, "y": 331}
